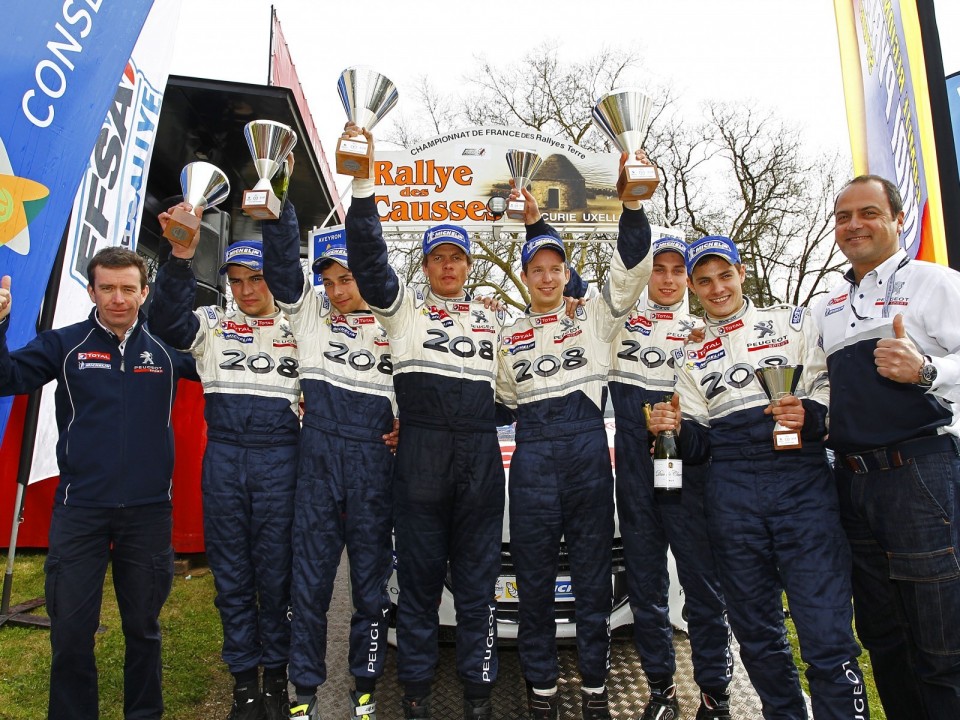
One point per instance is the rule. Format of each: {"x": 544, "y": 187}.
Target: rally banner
{"x": 60, "y": 69}
{"x": 450, "y": 178}
{"x": 953, "y": 98}
{"x": 887, "y": 49}
{"x": 108, "y": 207}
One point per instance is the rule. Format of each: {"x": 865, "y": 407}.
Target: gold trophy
{"x": 523, "y": 165}
{"x": 777, "y": 382}
{"x": 366, "y": 96}
{"x": 203, "y": 186}
{"x": 624, "y": 116}
{"x": 270, "y": 143}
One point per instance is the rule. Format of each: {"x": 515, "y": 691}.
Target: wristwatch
{"x": 927, "y": 374}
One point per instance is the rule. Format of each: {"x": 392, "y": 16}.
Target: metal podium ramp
{"x": 626, "y": 684}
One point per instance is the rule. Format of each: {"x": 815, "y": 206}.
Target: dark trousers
{"x": 448, "y": 506}
{"x": 775, "y": 526}
{"x": 563, "y": 487}
{"x": 247, "y": 520}
{"x": 343, "y": 497}
{"x": 902, "y": 524}
{"x": 82, "y": 541}
{"x": 647, "y": 525}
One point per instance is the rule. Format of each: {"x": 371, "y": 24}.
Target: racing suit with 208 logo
{"x": 773, "y": 516}
{"x": 250, "y": 374}
{"x": 345, "y": 469}
{"x": 554, "y": 372}
{"x": 449, "y": 482}
{"x": 642, "y": 371}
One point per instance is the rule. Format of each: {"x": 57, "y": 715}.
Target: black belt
{"x": 894, "y": 456}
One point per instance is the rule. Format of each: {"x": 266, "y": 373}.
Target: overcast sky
{"x": 782, "y": 54}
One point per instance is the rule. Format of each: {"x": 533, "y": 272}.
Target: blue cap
{"x": 333, "y": 253}
{"x": 248, "y": 253}
{"x": 711, "y": 245}
{"x": 671, "y": 244}
{"x": 535, "y": 245}
{"x": 440, "y": 234}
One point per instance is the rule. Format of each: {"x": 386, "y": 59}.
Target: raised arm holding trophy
{"x": 624, "y": 116}
{"x": 204, "y": 185}
{"x": 270, "y": 143}
{"x": 367, "y": 96}
{"x": 523, "y": 165}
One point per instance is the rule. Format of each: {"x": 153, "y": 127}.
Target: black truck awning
{"x": 203, "y": 120}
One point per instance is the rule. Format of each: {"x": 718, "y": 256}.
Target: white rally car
{"x": 508, "y": 593}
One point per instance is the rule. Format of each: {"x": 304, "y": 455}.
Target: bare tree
{"x": 733, "y": 170}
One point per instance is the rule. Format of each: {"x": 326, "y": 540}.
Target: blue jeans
{"x": 82, "y": 541}
{"x": 903, "y": 531}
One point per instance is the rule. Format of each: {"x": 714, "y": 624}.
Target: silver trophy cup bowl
{"x": 204, "y": 185}
{"x": 366, "y": 95}
{"x": 624, "y": 117}
{"x": 523, "y": 166}
{"x": 777, "y": 382}
{"x": 270, "y": 142}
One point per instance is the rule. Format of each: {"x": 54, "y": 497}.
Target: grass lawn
{"x": 196, "y": 683}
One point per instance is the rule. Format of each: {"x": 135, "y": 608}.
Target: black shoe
{"x": 416, "y": 707}
{"x": 713, "y": 709}
{"x": 276, "y": 701}
{"x": 364, "y": 705}
{"x": 247, "y": 704}
{"x": 310, "y": 711}
{"x": 481, "y": 709}
{"x": 543, "y": 707}
{"x": 595, "y": 706}
{"x": 662, "y": 706}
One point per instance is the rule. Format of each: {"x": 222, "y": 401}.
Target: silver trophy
{"x": 777, "y": 382}
{"x": 367, "y": 96}
{"x": 523, "y": 166}
{"x": 624, "y": 116}
{"x": 203, "y": 185}
{"x": 270, "y": 143}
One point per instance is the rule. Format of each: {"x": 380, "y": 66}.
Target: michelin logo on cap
{"x": 334, "y": 253}
{"x": 248, "y": 253}
{"x": 712, "y": 245}
{"x": 244, "y": 251}
{"x": 672, "y": 244}
{"x": 452, "y": 234}
{"x": 534, "y": 245}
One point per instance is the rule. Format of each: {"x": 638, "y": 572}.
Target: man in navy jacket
{"x": 114, "y": 399}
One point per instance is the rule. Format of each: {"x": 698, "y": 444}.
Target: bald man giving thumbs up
{"x": 892, "y": 339}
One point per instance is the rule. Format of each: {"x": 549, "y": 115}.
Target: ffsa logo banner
{"x": 108, "y": 205}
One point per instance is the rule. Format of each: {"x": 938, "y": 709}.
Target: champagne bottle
{"x": 667, "y": 465}
{"x": 280, "y": 182}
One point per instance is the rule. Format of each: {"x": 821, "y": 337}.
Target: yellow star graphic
{"x": 20, "y": 201}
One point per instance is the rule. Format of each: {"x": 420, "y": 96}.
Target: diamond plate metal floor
{"x": 626, "y": 683}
